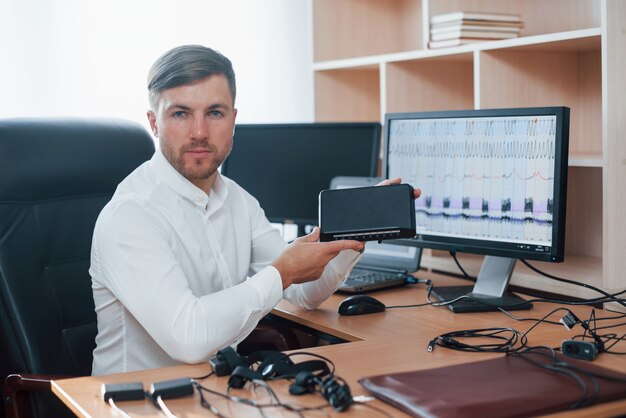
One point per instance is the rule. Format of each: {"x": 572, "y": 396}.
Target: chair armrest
{"x": 15, "y": 386}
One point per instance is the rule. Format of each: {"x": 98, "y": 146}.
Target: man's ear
{"x": 153, "y": 124}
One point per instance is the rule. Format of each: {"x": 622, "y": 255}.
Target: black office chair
{"x": 55, "y": 177}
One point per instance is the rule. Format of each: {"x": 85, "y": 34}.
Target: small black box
{"x": 123, "y": 391}
{"x": 169, "y": 389}
{"x": 367, "y": 213}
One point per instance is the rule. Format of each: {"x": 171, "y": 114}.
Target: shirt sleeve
{"x": 267, "y": 245}
{"x": 133, "y": 259}
{"x": 311, "y": 294}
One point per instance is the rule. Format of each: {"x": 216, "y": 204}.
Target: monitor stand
{"x": 493, "y": 279}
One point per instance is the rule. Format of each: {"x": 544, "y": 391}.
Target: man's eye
{"x": 178, "y": 114}
{"x": 215, "y": 114}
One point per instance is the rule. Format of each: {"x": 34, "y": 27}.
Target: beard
{"x": 194, "y": 168}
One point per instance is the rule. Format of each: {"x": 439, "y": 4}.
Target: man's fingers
{"x": 416, "y": 192}
{"x": 314, "y": 236}
{"x": 387, "y": 182}
{"x": 337, "y": 246}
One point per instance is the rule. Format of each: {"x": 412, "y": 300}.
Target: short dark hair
{"x": 186, "y": 64}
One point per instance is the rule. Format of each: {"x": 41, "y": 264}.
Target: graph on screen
{"x": 488, "y": 178}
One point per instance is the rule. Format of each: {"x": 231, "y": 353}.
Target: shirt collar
{"x": 177, "y": 182}
{"x": 218, "y": 195}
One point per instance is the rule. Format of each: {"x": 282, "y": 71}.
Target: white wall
{"x": 90, "y": 58}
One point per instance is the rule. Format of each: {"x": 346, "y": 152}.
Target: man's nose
{"x": 200, "y": 128}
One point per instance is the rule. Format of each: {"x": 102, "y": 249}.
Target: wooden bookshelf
{"x": 371, "y": 57}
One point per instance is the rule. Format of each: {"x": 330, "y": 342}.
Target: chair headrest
{"x": 43, "y": 159}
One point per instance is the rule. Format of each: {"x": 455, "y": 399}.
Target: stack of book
{"x": 459, "y": 28}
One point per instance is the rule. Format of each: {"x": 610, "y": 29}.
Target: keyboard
{"x": 363, "y": 280}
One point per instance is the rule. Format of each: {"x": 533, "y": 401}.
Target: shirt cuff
{"x": 345, "y": 261}
{"x": 268, "y": 285}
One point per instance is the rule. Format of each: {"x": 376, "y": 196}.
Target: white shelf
{"x": 581, "y": 40}
{"x": 586, "y": 160}
{"x": 371, "y": 59}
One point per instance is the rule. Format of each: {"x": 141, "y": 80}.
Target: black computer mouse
{"x": 360, "y": 305}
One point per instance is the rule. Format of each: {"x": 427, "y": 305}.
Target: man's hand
{"x": 398, "y": 180}
{"x": 305, "y": 258}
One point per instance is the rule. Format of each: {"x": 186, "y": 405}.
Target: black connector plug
{"x": 169, "y": 389}
{"x": 569, "y": 320}
{"x": 431, "y": 344}
{"x": 123, "y": 391}
{"x": 415, "y": 280}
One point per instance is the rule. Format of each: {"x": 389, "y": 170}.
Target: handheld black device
{"x": 367, "y": 213}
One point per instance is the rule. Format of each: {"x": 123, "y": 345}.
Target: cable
{"x": 513, "y": 305}
{"x": 600, "y": 340}
{"x": 257, "y": 382}
{"x": 606, "y": 318}
{"x": 611, "y": 337}
{"x": 206, "y": 376}
{"x": 456, "y": 260}
{"x": 550, "y": 276}
{"x": 564, "y": 368}
{"x": 164, "y": 408}
{"x": 117, "y": 409}
{"x": 448, "y": 340}
{"x": 621, "y": 324}
{"x": 603, "y": 343}
{"x": 318, "y": 356}
{"x": 206, "y": 404}
{"x": 585, "y": 285}
{"x": 429, "y": 302}
{"x": 507, "y": 345}
{"x": 609, "y": 340}
{"x": 607, "y": 297}
{"x": 250, "y": 402}
{"x": 510, "y": 315}
{"x": 543, "y": 318}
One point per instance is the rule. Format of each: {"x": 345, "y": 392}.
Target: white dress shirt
{"x": 178, "y": 274}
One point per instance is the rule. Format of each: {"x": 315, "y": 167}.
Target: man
{"x": 183, "y": 260}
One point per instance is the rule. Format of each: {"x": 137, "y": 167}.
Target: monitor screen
{"x": 493, "y": 181}
{"x": 286, "y": 166}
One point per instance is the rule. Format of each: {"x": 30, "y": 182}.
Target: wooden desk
{"x": 392, "y": 341}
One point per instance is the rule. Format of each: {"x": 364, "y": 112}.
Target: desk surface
{"x": 392, "y": 341}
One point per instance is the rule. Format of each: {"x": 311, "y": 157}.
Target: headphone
{"x": 241, "y": 375}
{"x": 274, "y": 368}
{"x": 333, "y": 389}
{"x": 312, "y": 376}
{"x": 226, "y": 360}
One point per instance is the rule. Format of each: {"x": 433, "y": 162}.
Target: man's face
{"x": 194, "y": 124}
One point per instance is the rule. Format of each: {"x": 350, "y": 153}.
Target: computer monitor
{"x": 286, "y": 166}
{"x": 493, "y": 182}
